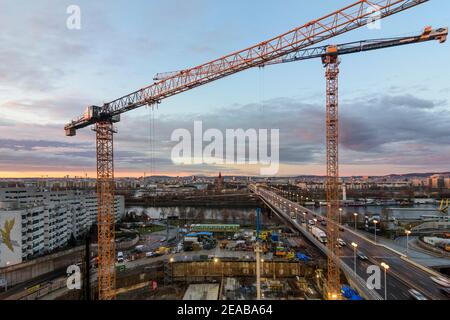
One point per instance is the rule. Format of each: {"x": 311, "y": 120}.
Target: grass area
{"x": 151, "y": 229}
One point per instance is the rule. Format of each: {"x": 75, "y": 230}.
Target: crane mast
{"x": 339, "y": 22}
{"x": 331, "y": 63}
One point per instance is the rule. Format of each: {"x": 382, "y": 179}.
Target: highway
{"x": 402, "y": 274}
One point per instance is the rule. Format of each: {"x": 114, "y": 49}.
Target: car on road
{"x": 362, "y": 256}
{"x": 443, "y": 282}
{"x": 120, "y": 257}
{"x": 416, "y": 295}
{"x": 341, "y": 242}
{"x": 445, "y": 292}
{"x": 311, "y": 223}
{"x": 341, "y": 229}
{"x": 139, "y": 248}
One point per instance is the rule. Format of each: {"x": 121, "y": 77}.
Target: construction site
{"x": 218, "y": 262}
{"x": 295, "y": 45}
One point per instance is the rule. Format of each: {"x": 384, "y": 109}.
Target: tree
{"x": 183, "y": 214}
{"x": 226, "y": 215}
{"x": 172, "y": 212}
{"x": 252, "y": 218}
{"x": 163, "y": 213}
{"x": 200, "y": 215}
{"x": 72, "y": 241}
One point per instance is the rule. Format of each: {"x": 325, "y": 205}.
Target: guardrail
{"x": 42, "y": 290}
{"x": 402, "y": 255}
{"x": 358, "y": 282}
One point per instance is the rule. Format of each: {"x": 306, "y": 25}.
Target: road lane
{"x": 402, "y": 275}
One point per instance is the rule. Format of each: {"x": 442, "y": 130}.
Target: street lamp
{"x": 356, "y": 221}
{"x": 340, "y": 215}
{"x": 386, "y": 268}
{"x": 355, "y": 246}
{"x": 375, "y": 222}
{"x": 408, "y": 233}
{"x": 216, "y": 261}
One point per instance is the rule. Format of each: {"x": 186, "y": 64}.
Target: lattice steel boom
{"x": 349, "y": 18}
{"x": 428, "y": 34}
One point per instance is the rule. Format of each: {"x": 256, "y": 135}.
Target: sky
{"x": 394, "y": 103}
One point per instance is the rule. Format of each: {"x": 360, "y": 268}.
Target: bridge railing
{"x": 358, "y": 282}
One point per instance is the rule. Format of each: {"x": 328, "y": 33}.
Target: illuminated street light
{"x": 356, "y": 221}
{"x": 355, "y": 247}
{"x": 408, "y": 233}
{"x": 386, "y": 268}
{"x": 375, "y": 222}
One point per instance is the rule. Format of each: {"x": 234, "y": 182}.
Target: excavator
{"x": 444, "y": 206}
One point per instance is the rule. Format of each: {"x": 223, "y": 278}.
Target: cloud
{"x": 386, "y": 130}
{"x": 30, "y": 145}
{"x": 407, "y": 101}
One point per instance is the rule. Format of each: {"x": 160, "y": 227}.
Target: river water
{"x": 413, "y": 212}
{"x": 229, "y": 215}
{"x": 233, "y": 215}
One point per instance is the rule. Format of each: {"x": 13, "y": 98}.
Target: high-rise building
{"x": 35, "y": 221}
{"x": 437, "y": 182}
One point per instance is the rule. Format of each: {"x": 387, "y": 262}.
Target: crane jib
{"x": 349, "y": 18}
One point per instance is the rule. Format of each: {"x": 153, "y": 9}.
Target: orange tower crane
{"x": 330, "y": 58}
{"x": 349, "y": 18}
{"x": 331, "y": 62}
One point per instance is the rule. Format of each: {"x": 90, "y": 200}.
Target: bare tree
{"x": 163, "y": 213}
{"x": 252, "y": 218}
{"x": 200, "y": 216}
{"x": 226, "y": 215}
{"x": 190, "y": 213}
{"x": 183, "y": 214}
{"x": 172, "y": 212}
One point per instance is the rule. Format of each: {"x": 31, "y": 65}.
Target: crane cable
{"x": 151, "y": 144}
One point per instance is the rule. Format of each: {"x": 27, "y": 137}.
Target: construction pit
{"x": 290, "y": 269}
{"x": 227, "y": 280}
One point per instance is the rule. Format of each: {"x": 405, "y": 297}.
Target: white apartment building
{"x": 45, "y": 220}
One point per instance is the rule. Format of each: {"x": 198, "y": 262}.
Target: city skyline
{"x": 393, "y": 121}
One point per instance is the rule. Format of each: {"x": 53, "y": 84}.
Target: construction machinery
{"x": 444, "y": 206}
{"x": 349, "y": 18}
